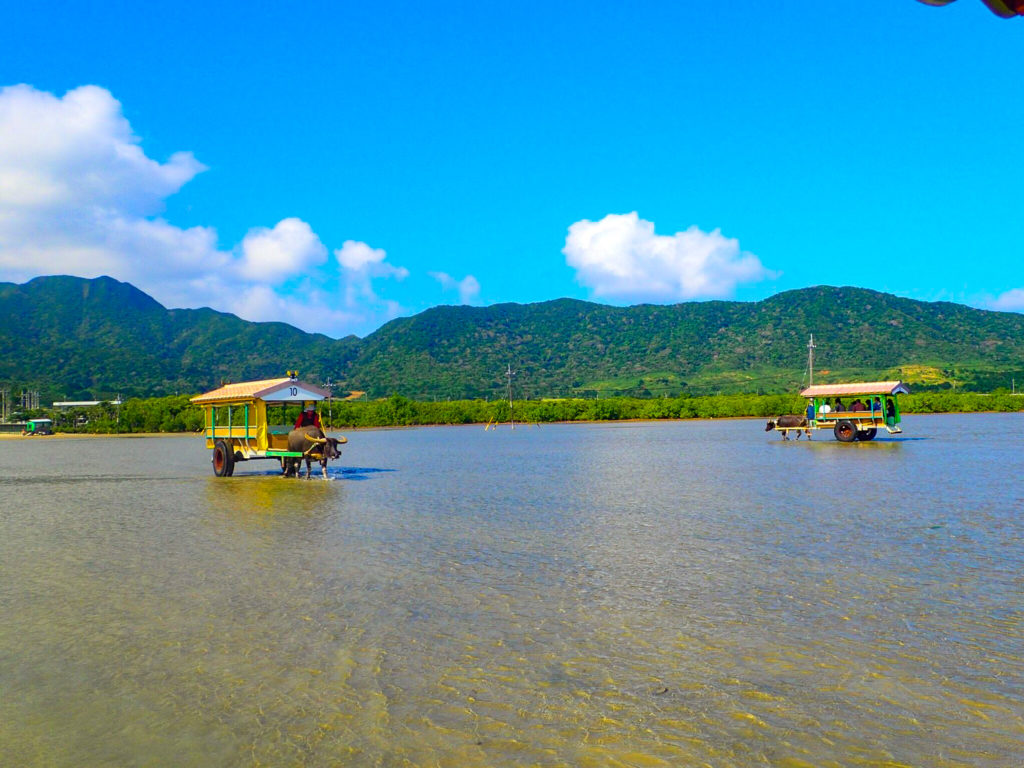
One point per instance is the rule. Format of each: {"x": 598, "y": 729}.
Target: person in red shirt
{"x": 309, "y": 417}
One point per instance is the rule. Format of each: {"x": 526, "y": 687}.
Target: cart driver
{"x": 308, "y": 418}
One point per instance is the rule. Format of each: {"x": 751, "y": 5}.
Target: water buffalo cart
{"x": 38, "y": 427}
{"x": 855, "y": 411}
{"x": 255, "y": 420}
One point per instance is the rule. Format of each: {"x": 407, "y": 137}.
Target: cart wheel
{"x": 845, "y": 432}
{"x": 867, "y": 434}
{"x": 223, "y": 459}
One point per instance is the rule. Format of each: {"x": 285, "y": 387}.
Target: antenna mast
{"x": 810, "y": 361}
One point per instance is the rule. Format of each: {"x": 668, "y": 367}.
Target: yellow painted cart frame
{"x": 236, "y": 425}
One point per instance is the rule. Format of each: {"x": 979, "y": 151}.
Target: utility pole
{"x": 510, "y": 373}
{"x": 810, "y": 361}
{"x": 29, "y": 399}
{"x": 330, "y": 398}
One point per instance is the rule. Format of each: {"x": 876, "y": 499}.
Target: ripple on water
{"x": 656, "y": 594}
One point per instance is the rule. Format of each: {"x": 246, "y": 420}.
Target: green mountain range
{"x": 72, "y": 338}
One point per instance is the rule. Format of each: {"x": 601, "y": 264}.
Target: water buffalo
{"x": 788, "y": 422}
{"x": 313, "y": 444}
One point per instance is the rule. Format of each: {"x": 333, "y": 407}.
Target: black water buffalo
{"x": 314, "y": 445}
{"x": 788, "y": 422}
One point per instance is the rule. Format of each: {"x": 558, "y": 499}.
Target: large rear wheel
{"x": 845, "y": 431}
{"x": 223, "y": 459}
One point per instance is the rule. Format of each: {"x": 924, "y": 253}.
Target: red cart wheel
{"x": 845, "y": 431}
{"x": 223, "y": 459}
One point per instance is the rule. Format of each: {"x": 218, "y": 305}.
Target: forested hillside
{"x": 568, "y": 347}
{"x": 88, "y": 339}
{"x": 73, "y": 338}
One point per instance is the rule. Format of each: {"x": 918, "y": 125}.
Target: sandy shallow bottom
{"x": 690, "y": 593}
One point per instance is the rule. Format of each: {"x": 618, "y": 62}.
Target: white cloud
{"x": 1009, "y": 301}
{"x": 468, "y": 287}
{"x": 288, "y": 249}
{"x": 361, "y": 264}
{"x": 79, "y": 196}
{"x": 620, "y": 257}
{"x": 359, "y": 258}
{"x": 77, "y": 151}
{"x": 315, "y": 312}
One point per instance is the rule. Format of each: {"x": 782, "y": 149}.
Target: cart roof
{"x": 857, "y": 388}
{"x": 284, "y": 390}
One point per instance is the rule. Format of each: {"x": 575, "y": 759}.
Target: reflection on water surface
{"x": 622, "y": 594}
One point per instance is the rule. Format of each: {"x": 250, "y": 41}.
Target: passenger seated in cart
{"x": 308, "y": 418}
{"x": 857, "y": 405}
{"x": 876, "y": 405}
{"x": 839, "y": 405}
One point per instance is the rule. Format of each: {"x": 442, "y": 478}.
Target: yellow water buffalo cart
{"x": 855, "y": 411}
{"x": 240, "y": 420}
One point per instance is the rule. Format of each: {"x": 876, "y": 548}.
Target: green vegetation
{"x": 156, "y": 414}
{"x": 76, "y": 339}
{"x": 400, "y": 411}
{"x": 570, "y": 348}
{"x": 176, "y": 414}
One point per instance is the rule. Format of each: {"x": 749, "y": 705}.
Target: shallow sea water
{"x": 641, "y": 594}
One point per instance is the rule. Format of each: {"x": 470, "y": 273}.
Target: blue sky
{"x": 335, "y": 165}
